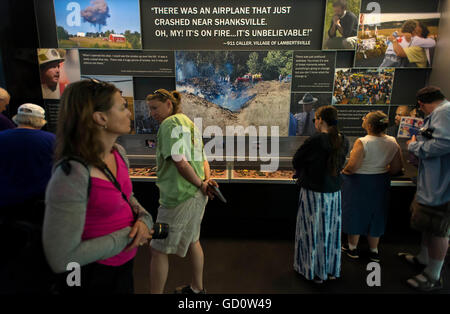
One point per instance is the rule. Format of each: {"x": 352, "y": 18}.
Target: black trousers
{"x": 101, "y": 279}
{"x": 23, "y": 267}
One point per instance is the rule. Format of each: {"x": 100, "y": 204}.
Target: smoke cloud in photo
{"x": 96, "y": 13}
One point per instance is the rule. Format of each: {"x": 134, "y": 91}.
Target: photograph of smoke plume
{"x": 125, "y": 85}
{"x": 100, "y": 24}
{"x": 236, "y": 87}
{"x": 363, "y": 86}
{"x": 405, "y": 40}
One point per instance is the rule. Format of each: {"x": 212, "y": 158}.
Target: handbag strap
{"x": 114, "y": 181}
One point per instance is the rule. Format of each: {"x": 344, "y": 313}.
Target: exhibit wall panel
{"x": 441, "y": 74}
{"x": 244, "y": 64}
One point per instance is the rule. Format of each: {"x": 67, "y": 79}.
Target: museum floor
{"x": 238, "y": 266}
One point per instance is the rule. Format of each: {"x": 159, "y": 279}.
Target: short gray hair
{"x": 34, "y": 122}
{"x": 4, "y": 94}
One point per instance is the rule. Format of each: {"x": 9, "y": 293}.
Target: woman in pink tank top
{"x": 92, "y": 218}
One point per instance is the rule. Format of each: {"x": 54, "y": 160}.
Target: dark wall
{"x": 19, "y": 40}
{"x": 269, "y": 211}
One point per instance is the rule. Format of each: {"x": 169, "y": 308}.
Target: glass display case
{"x": 147, "y": 172}
{"x": 238, "y": 169}
{"x": 252, "y": 172}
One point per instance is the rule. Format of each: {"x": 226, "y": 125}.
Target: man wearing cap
{"x": 431, "y": 206}
{"x": 5, "y": 123}
{"x": 305, "y": 119}
{"x": 49, "y": 64}
{"x": 26, "y": 159}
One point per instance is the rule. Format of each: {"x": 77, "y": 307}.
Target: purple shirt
{"x": 5, "y": 123}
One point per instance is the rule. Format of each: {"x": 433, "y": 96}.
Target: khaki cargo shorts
{"x": 434, "y": 220}
{"x": 184, "y": 225}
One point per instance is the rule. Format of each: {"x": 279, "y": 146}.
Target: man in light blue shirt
{"x": 431, "y": 207}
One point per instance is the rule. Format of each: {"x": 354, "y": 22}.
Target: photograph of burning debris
{"x": 99, "y": 24}
{"x": 227, "y": 88}
{"x": 363, "y": 86}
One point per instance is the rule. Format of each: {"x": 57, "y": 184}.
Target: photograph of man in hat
{"x": 305, "y": 123}
{"x": 49, "y": 67}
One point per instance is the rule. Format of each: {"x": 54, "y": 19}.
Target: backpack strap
{"x": 67, "y": 167}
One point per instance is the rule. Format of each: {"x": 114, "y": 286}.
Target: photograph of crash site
{"x": 405, "y": 40}
{"x": 99, "y": 24}
{"x": 243, "y": 88}
{"x": 363, "y": 86}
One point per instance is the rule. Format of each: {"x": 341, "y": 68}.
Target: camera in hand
{"x": 161, "y": 231}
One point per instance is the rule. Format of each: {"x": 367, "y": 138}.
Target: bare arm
{"x": 334, "y": 26}
{"x": 356, "y": 158}
{"x": 396, "y": 165}
{"x": 207, "y": 170}
{"x": 187, "y": 172}
{"x": 398, "y": 49}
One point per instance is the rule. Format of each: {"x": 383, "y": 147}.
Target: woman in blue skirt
{"x": 365, "y": 191}
{"x": 318, "y": 163}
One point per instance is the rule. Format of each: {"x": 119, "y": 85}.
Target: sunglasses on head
{"x": 159, "y": 92}
{"x": 98, "y": 85}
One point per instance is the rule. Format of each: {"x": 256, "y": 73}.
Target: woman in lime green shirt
{"x": 184, "y": 184}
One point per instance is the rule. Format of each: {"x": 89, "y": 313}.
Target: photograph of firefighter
{"x": 406, "y": 40}
{"x": 341, "y": 24}
{"x": 236, "y": 88}
{"x": 100, "y": 24}
{"x": 50, "y": 69}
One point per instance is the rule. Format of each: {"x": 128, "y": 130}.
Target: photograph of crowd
{"x": 341, "y": 24}
{"x": 363, "y": 86}
{"x": 397, "y": 40}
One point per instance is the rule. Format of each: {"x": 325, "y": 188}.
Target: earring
{"x": 105, "y": 126}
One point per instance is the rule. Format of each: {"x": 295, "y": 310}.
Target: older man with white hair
{"x": 26, "y": 159}
{"x": 5, "y": 123}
